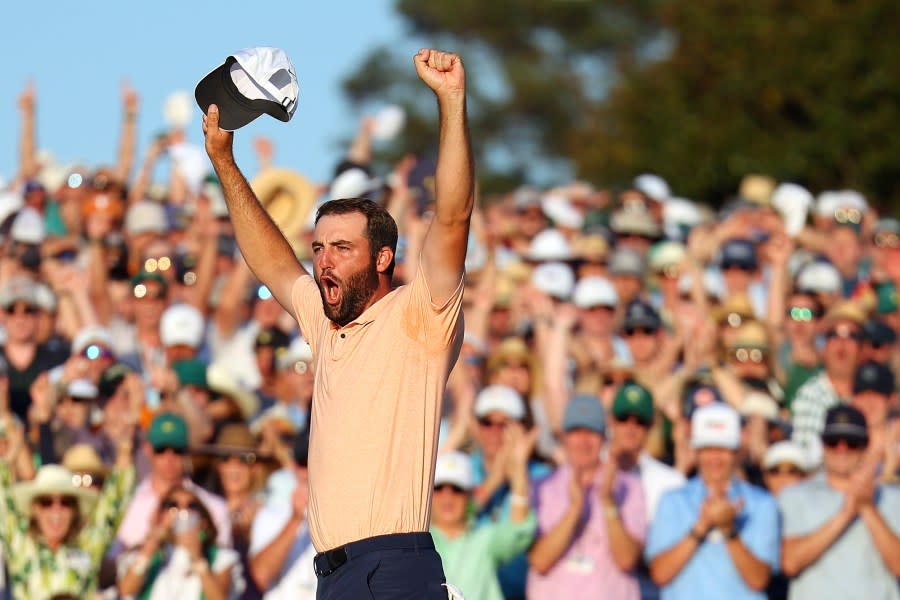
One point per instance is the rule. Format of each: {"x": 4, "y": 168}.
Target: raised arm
{"x": 444, "y": 249}
{"x": 267, "y": 252}
{"x": 125, "y": 157}
{"x": 28, "y": 166}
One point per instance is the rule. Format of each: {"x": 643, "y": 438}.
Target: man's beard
{"x": 356, "y": 292}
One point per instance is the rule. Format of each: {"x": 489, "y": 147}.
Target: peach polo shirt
{"x": 376, "y": 410}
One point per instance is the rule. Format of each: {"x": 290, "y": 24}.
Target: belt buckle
{"x": 334, "y": 559}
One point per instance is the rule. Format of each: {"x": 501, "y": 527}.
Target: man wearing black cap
{"x": 873, "y": 395}
{"x": 281, "y": 552}
{"x": 650, "y": 347}
{"x": 842, "y": 529}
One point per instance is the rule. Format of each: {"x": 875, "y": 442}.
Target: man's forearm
{"x": 625, "y": 549}
{"x": 262, "y": 244}
{"x": 454, "y": 174}
{"x": 548, "y": 548}
{"x": 886, "y": 541}
{"x": 753, "y": 571}
{"x": 669, "y": 563}
{"x": 797, "y": 553}
{"x": 265, "y": 566}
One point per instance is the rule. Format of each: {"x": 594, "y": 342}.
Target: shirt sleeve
{"x": 889, "y": 507}
{"x": 810, "y": 406}
{"x": 13, "y": 525}
{"x": 435, "y": 325}
{"x": 508, "y": 539}
{"x": 668, "y": 526}
{"x": 98, "y": 534}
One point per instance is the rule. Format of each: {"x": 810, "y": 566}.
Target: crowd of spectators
{"x": 653, "y": 398}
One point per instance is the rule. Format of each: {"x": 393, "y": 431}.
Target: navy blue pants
{"x": 403, "y": 566}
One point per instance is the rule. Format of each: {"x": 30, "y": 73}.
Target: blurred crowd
{"x": 654, "y": 398}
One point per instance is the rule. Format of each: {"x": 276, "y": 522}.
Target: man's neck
{"x": 842, "y": 384}
{"x": 161, "y": 486}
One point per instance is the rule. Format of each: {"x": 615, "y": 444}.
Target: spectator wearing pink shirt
{"x": 591, "y": 518}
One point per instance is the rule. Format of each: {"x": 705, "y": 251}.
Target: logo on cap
{"x": 633, "y": 395}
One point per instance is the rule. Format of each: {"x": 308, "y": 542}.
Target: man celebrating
{"x": 382, "y": 356}
{"x": 841, "y": 528}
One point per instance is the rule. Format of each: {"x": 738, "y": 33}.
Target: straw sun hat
{"x": 53, "y": 480}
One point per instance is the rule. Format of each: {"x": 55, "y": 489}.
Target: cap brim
{"x": 837, "y": 432}
{"x": 218, "y": 88}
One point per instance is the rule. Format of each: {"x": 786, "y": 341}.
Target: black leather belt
{"x": 330, "y": 561}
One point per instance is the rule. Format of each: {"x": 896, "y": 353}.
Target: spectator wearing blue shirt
{"x": 715, "y": 537}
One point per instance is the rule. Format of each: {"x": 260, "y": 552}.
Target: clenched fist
{"x": 441, "y": 71}
{"x": 218, "y": 141}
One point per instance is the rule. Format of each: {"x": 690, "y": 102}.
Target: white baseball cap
{"x": 181, "y": 325}
{"x": 786, "y": 452}
{"x": 454, "y": 468}
{"x": 249, "y": 83}
{"x": 28, "y": 227}
{"x": 555, "y": 279}
{"x": 819, "y": 276}
{"x": 653, "y": 186}
{"x": 500, "y": 398}
{"x": 561, "y": 211}
{"x": 716, "y": 425}
{"x": 146, "y": 216}
{"x": 550, "y": 244}
{"x": 594, "y": 291}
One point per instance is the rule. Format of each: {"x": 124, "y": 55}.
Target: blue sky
{"x": 77, "y": 54}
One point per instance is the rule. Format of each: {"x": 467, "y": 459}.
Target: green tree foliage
{"x": 699, "y": 91}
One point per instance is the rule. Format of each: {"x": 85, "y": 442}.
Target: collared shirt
{"x": 512, "y": 572}
{"x": 657, "y": 479}
{"x": 297, "y": 578}
{"x": 586, "y": 569}
{"x": 142, "y": 512}
{"x": 471, "y": 560}
{"x": 851, "y": 567}
{"x": 710, "y": 573}
{"x": 376, "y": 409}
{"x": 812, "y": 401}
{"x": 37, "y": 572}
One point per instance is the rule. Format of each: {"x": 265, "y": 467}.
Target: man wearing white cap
{"x": 718, "y": 536}
{"x": 382, "y": 355}
{"x": 472, "y": 554}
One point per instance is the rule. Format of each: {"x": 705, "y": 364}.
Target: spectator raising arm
{"x": 125, "y": 160}
{"x": 28, "y": 166}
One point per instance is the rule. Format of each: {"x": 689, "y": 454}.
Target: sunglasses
{"x": 64, "y": 501}
{"x": 169, "y": 504}
{"x": 24, "y": 309}
{"x": 639, "y": 331}
{"x": 65, "y": 256}
{"x": 247, "y": 458}
{"x": 801, "y": 314}
{"x": 749, "y": 355}
{"x": 785, "y": 470}
{"x": 97, "y": 352}
{"x": 843, "y": 333}
{"x": 491, "y": 424}
{"x": 164, "y": 449}
{"x": 887, "y": 240}
{"x": 79, "y": 399}
{"x": 447, "y": 486}
{"x": 853, "y": 444}
{"x": 86, "y": 480}
{"x": 163, "y": 263}
{"x": 626, "y": 418}
{"x": 848, "y": 215}
{"x": 738, "y": 267}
